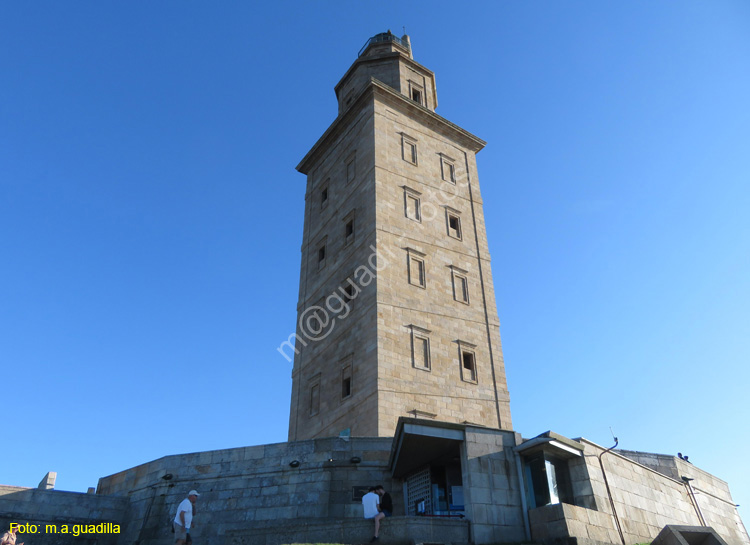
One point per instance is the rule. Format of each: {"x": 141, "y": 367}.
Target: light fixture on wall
{"x": 294, "y": 463}
{"x": 355, "y": 459}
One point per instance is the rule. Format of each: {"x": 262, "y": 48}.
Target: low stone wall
{"x": 51, "y": 510}
{"x": 393, "y": 531}
{"x": 252, "y": 487}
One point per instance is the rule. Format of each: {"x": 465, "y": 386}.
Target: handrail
{"x": 381, "y": 38}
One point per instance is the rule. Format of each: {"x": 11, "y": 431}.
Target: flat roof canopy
{"x": 418, "y": 442}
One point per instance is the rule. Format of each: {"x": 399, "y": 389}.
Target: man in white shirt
{"x": 184, "y": 517}
{"x": 371, "y": 506}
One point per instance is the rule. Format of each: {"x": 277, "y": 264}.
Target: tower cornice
{"x": 376, "y": 88}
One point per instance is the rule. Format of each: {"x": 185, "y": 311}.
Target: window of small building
{"x": 547, "y": 480}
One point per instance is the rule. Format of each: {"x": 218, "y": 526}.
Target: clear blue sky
{"x": 151, "y": 217}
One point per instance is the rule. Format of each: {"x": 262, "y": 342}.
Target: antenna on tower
{"x": 404, "y": 29}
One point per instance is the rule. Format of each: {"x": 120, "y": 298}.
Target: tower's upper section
{"x": 388, "y": 59}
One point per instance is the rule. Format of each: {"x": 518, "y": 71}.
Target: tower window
{"x": 409, "y": 149}
{"x": 454, "y": 224}
{"x": 323, "y": 197}
{"x": 349, "y": 228}
{"x": 448, "y": 169}
{"x": 349, "y": 292}
{"x": 468, "y": 366}
{"x": 460, "y": 286}
{"x": 350, "y": 169}
{"x": 322, "y": 255}
{"x": 346, "y": 381}
{"x": 416, "y": 268}
{"x": 416, "y": 93}
{"x": 412, "y": 204}
{"x": 420, "y": 348}
{"x": 314, "y": 399}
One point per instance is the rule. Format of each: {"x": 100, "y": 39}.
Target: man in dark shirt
{"x": 386, "y": 503}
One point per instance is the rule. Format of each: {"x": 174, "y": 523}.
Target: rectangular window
{"x": 409, "y": 149}
{"x": 346, "y": 381}
{"x": 416, "y": 93}
{"x": 420, "y": 348}
{"x": 448, "y": 169}
{"x": 349, "y": 292}
{"x": 350, "y": 169}
{"x": 314, "y": 399}
{"x": 420, "y": 352}
{"x": 323, "y": 197}
{"x": 460, "y": 286}
{"x": 468, "y": 366}
{"x": 322, "y": 255}
{"x": 412, "y": 204}
{"x": 453, "y": 221}
{"x": 349, "y": 228}
{"x": 416, "y": 268}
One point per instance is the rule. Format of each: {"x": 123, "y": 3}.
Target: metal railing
{"x": 383, "y": 37}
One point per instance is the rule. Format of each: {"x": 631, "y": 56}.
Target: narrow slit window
{"x": 323, "y": 197}
{"x": 349, "y": 230}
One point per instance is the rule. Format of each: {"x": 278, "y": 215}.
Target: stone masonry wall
{"x": 57, "y": 508}
{"x": 492, "y": 491}
{"x": 647, "y": 500}
{"x": 244, "y": 488}
{"x": 443, "y": 389}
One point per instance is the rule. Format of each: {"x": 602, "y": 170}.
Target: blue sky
{"x": 151, "y": 217}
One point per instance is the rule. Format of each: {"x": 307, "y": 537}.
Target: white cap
{"x": 193, "y": 493}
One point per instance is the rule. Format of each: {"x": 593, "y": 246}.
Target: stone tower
{"x": 396, "y": 311}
